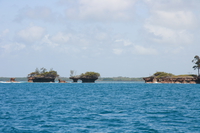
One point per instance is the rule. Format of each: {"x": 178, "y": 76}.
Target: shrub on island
{"x": 90, "y": 75}
{"x": 162, "y": 74}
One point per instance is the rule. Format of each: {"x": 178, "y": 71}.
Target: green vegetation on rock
{"x": 185, "y": 76}
{"x": 162, "y": 74}
{"x": 170, "y": 75}
{"x": 43, "y": 73}
{"x": 90, "y": 75}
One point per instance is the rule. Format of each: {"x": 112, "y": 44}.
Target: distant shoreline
{"x": 67, "y": 79}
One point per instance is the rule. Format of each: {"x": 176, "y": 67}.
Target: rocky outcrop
{"x": 12, "y": 80}
{"x": 84, "y": 79}
{"x": 41, "y": 79}
{"x": 42, "y": 75}
{"x": 183, "y": 80}
{"x": 75, "y": 79}
{"x": 88, "y": 80}
{"x": 61, "y": 81}
{"x": 88, "y": 77}
{"x": 30, "y": 79}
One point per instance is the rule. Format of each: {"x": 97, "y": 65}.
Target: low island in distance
{"x": 163, "y": 77}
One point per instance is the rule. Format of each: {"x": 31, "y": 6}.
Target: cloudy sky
{"x": 131, "y": 38}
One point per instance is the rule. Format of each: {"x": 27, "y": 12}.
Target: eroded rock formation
{"x": 88, "y": 80}
{"x": 41, "y": 79}
{"x": 84, "y": 79}
{"x": 75, "y": 79}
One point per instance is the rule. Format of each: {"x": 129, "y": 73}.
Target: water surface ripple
{"x": 99, "y": 107}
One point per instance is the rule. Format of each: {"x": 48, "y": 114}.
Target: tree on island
{"x": 72, "y": 73}
{"x": 196, "y": 61}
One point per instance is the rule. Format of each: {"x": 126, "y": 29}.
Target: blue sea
{"x": 103, "y": 107}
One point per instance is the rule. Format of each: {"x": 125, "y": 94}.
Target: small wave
{"x": 8, "y": 82}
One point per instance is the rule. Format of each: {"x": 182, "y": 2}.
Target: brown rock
{"x": 61, "y": 81}
{"x": 183, "y": 80}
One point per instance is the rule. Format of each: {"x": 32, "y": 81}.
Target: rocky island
{"x": 163, "y": 77}
{"x": 42, "y": 75}
{"x": 88, "y": 77}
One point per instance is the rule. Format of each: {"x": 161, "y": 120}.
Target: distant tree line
{"x": 67, "y": 79}
{"x": 120, "y": 79}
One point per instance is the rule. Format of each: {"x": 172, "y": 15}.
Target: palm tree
{"x": 196, "y": 61}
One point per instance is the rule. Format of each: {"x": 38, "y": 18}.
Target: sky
{"x": 129, "y": 38}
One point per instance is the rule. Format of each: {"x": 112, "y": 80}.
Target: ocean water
{"x": 99, "y": 108}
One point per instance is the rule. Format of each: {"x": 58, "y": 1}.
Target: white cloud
{"x": 6, "y": 46}
{"x": 37, "y": 13}
{"x": 31, "y": 34}
{"x": 124, "y": 42}
{"x": 46, "y": 41}
{"x": 101, "y": 36}
{"x": 171, "y": 22}
{"x": 167, "y": 35}
{"x": 4, "y": 32}
{"x": 117, "y": 51}
{"x": 177, "y": 50}
{"x": 61, "y": 38}
{"x": 102, "y": 9}
{"x": 37, "y": 47}
{"x": 144, "y": 51}
{"x": 10, "y": 47}
{"x": 127, "y": 47}
{"x": 173, "y": 19}
{"x": 64, "y": 42}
